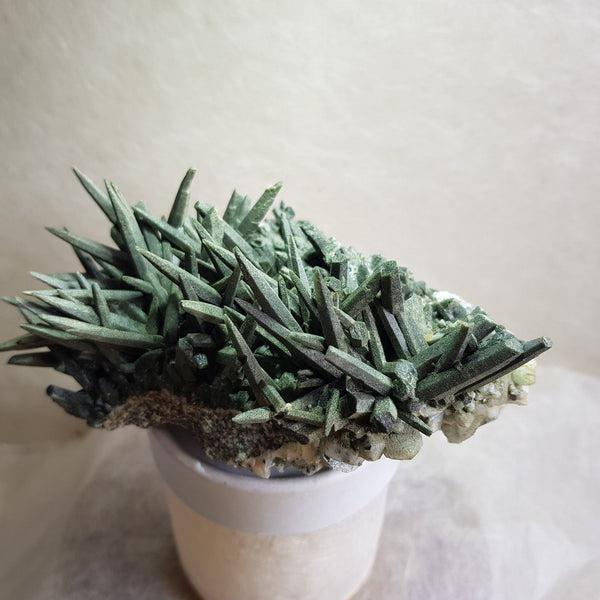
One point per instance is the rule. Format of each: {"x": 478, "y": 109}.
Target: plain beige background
{"x": 459, "y": 138}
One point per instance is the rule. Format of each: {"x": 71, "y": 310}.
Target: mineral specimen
{"x": 270, "y": 342}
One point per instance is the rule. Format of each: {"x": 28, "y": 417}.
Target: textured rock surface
{"x": 255, "y": 333}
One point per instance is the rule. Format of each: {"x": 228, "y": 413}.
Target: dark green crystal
{"x": 264, "y": 328}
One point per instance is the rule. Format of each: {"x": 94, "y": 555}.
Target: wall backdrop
{"x": 459, "y": 138}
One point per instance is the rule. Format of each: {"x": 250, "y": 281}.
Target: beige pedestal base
{"x": 227, "y": 564}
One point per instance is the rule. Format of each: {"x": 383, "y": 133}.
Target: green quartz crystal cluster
{"x": 268, "y": 341}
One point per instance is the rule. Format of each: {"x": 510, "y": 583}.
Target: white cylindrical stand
{"x": 241, "y": 537}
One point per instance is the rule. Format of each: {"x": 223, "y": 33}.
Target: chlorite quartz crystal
{"x": 269, "y": 342}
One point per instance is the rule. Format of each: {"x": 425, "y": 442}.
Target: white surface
{"x": 290, "y": 505}
{"x": 511, "y": 514}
